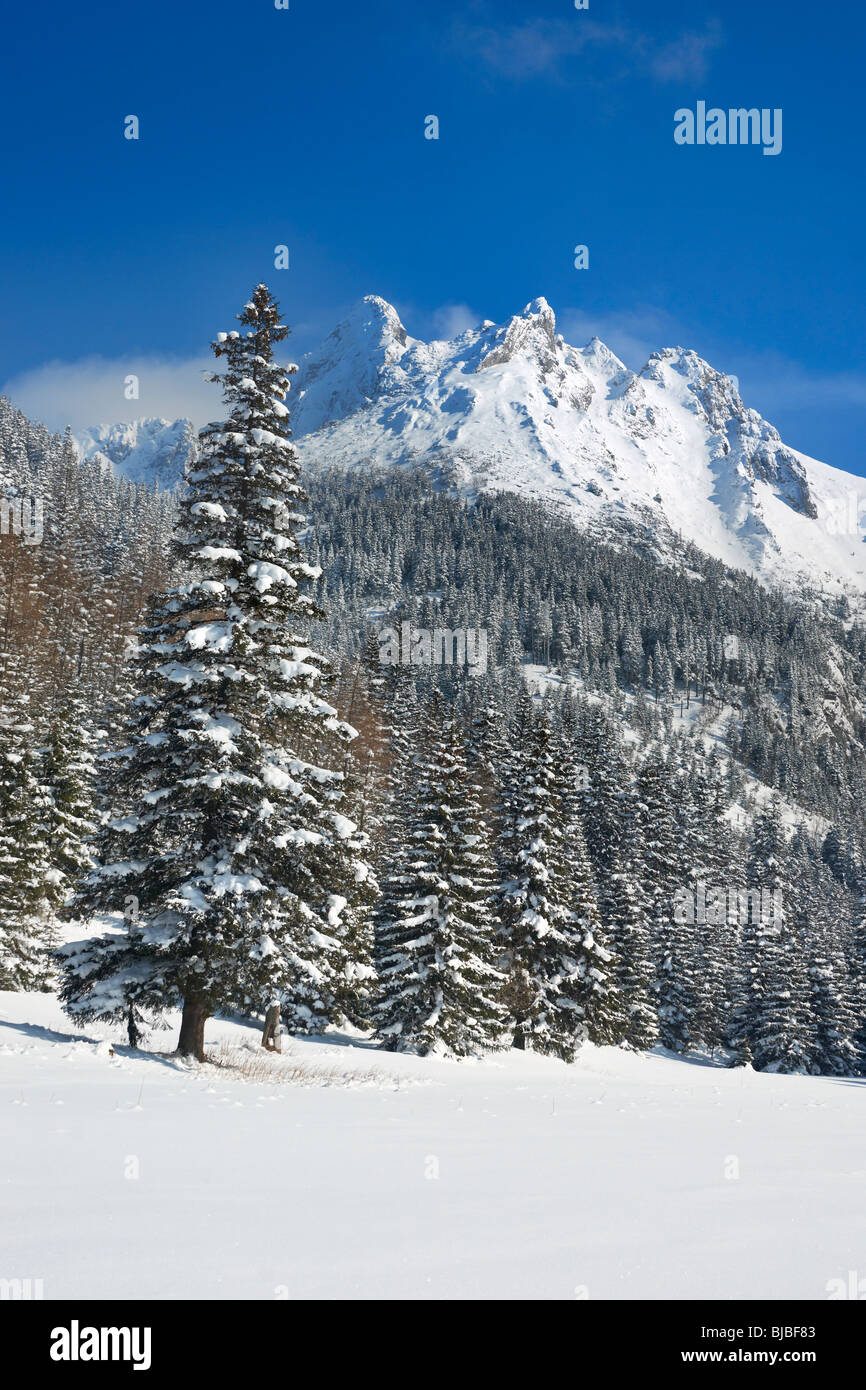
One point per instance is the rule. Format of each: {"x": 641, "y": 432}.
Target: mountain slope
{"x": 151, "y": 451}
{"x": 671, "y": 449}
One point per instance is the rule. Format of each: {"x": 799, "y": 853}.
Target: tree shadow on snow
{"x": 35, "y": 1030}
{"x": 126, "y": 1053}
{"x": 354, "y": 1040}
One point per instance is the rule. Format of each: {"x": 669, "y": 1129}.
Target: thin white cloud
{"x": 633, "y": 334}
{"x": 543, "y": 48}
{"x": 450, "y": 320}
{"x": 91, "y": 391}
{"x": 686, "y": 58}
{"x": 783, "y": 384}
{"x": 534, "y": 48}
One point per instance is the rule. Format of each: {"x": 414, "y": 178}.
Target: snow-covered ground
{"x": 360, "y": 1174}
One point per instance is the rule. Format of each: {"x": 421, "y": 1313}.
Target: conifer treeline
{"x": 536, "y": 859}
{"x": 69, "y": 603}
{"x": 70, "y": 599}
{"x": 785, "y": 678}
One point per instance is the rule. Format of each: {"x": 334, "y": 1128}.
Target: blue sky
{"x": 306, "y": 127}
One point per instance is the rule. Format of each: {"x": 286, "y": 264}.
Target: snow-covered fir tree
{"x": 623, "y": 907}
{"x": 772, "y": 1017}
{"x": 601, "y": 1008}
{"x": 550, "y": 919}
{"x": 439, "y": 986}
{"x": 826, "y": 1017}
{"x": 231, "y": 841}
{"x": 711, "y": 870}
{"x": 28, "y": 882}
{"x": 68, "y": 772}
{"x": 672, "y": 936}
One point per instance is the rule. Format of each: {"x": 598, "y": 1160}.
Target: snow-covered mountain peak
{"x": 715, "y": 392}
{"x": 150, "y": 450}
{"x": 342, "y": 374}
{"x": 670, "y": 450}
{"x": 375, "y": 318}
{"x": 530, "y": 334}
{"x": 599, "y": 357}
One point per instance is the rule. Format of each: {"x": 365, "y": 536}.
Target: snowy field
{"x": 351, "y": 1173}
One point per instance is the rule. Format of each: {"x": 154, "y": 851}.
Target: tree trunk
{"x": 191, "y": 1040}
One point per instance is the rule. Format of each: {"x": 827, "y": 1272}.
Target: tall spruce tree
{"x": 625, "y": 916}
{"x": 672, "y": 938}
{"x": 601, "y": 1009}
{"x": 555, "y": 964}
{"x": 710, "y": 873}
{"x": 825, "y": 1020}
{"x": 773, "y": 1002}
{"x": 68, "y": 772}
{"x": 27, "y": 879}
{"x": 436, "y": 934}
{"x": 230, "y": 842}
